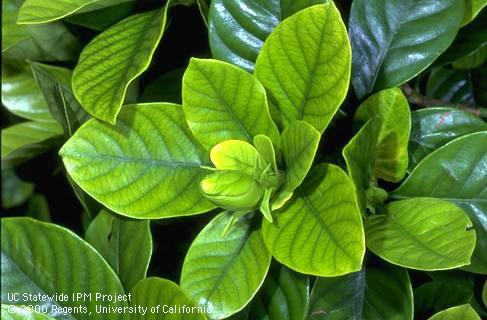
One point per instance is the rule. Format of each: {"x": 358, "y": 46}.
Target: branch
{"x": 425, "y": 102}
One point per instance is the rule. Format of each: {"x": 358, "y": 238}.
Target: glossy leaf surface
{"x": 413, "y": 34}
{"x": 391, "y": 106}
{"x": 450, "y": 85}
{"x": 147, "y": 166}
{"x": 39, "y": 11}
{"x": 305, "y": 66}
{"x": 53, "y": 261}
{"x": 456, "y": 172}
{"x": 223, "y": 102}
{"x": 21, "y": 95}
{"x": 26, "y": 140}
{"x": 370, "y": 294}
{"x": 434, "y": 127}
{"x": 163, "y": 294}
{"x": 224, "y": 272}
{"x": 238, "y": 29}
{"x": 463, "y": 312}
{"x": 125, "y": 244}
{"x": 319, "y": 231}
{"x": 421, "y": 233}
{"x": 299, "y": 145}
{"x": 113, "y": 59}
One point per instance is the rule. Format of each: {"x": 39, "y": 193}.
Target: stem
{"x": 425, "y": 102}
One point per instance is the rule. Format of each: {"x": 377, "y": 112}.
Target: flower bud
{"x": 232, "y": 190}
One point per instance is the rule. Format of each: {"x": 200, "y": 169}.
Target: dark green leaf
{"x": 21, "y": 95}
{"x": 224, "y": 272}
{"x": 38, "y": 208}
{"x": 434, "y": 127}
{"x": 305, "y": 66}
{"x": 370, "y": 294}
{"x": 450, "y": 85}
{"x": 55, "y": 83}
{"x": 283, "y": 296}
{"x": 147, "y": 166}
{"x": 165, "y": 88}
{"x": 237, "y": 29}
{"x": 421, "y": 233}
{"x": 43, "y": 258}
{"x": 103, "y": 18}
{"x": 49, "y": 42}
{"x": 15, "y": 191}
{"x": 125, "y": 244}
{"x": 27, "y": 140}
{"x": 456, "y": 172}
{"x": 412, "y": 35}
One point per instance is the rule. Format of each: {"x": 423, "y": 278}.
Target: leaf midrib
{"x": 156, "y": 162}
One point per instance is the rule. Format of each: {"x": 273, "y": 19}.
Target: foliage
{"x": 293, "y": 165}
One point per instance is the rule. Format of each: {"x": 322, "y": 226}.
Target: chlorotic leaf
{"x": 125, "y": 244}
{"x": 359, "y": 155}
{"x": 55, "y": 83}
{"x": 26, "y": 140}
{"x": 391, "y": 106}
{"x": 422, "y": 233}
{"x": 113, "y": 59}
{"x": 305, "y": 66}
{"x": 235, "y": 155}
{"x": 237, "y": 29}
{"x": 21, "y": 95}
{"x": 299, "y": 145}
{"x": 414, "y": 34}
{"x": 362, "y": 295}
{"x": 463, "y": 312}
{"x": 15, "y": 191}
{"x": 433, "y": 127}
{"x": 320, "y": 230}
{"x": 266, "y": 150}
{"x": 13, "y": 312}
{"x": 223, "y": 273}
{"x": 456, "y": 172}
{"x": 39, "y": 11}
{"x": 54, "y": 261}
{"x": 283, "y": 296}
{"x": 223, "y": 102}
{"x": 160, "y": 295}
{"x": 147, "y": 166}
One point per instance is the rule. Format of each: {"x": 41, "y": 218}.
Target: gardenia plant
{"x": 243, "y": 145}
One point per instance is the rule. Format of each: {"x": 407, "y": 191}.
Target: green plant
{"x": 268, "y": 140}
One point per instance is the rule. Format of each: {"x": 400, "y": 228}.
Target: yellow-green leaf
{"x": 305, "y": 66}
{"x": 113, "y": 59}
{"x": 147, "y": 166}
